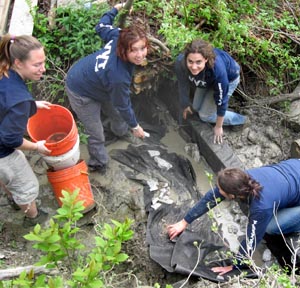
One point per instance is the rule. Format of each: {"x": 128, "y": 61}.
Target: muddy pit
{"x": 118, "y": 197}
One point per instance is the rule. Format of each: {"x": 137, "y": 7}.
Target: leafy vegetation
{"x": 264, "y": 37}
{"x": 61, "y": 248}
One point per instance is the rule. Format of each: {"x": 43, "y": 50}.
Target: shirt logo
{"x": 198, "y": 83}
{"x": 102, "y": 59}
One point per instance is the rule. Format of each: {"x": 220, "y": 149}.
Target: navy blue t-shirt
{"x": 103, "y": 76}
{"x": 225, "y": 70}
{"x": 16, "y": 106}
{"x": 281, "y": 189}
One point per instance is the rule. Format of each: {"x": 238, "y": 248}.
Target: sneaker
{"x": 13, "y": 204}
{"x": 237, "y": 128}
{"x": 130, "y": 138}
{"x": 101, "y": 169}
{"x": 39, "y": 219}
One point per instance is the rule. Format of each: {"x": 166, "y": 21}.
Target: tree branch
{"x": 290, "y": 36}
{"x": 15, "y": 272}
{"x": 125, "y": 11}
{"x": 295, "y": 95}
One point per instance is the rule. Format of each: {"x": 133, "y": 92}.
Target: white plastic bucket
{"x": 66, "y": 160}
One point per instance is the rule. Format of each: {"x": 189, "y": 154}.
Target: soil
{"x": 262, "y": 142}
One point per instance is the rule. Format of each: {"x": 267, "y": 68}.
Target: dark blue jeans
{"x": 288, "y": 220}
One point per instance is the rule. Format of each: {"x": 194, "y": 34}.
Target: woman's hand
{"x": 218, "y": 130}
{"x": 218, "y": 135}
{"x": 43, "y": 104}
{"x": 120, "y": 6}
{"x": 41, "y": 148}
{"x": 176, "y": 229}
{"x": 222, "y": 270}
{"x": 138, "y": 132}
{"x": 187, "y": 111}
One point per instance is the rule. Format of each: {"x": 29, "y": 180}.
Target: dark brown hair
{"x": 129, "y": 36}
{"x": 15, "y": 47}
{"x": 237, "y": 182}
{"x": 202, "y": 47}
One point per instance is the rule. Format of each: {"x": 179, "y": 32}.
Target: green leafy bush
{"x": 68, "y": 36}
{"x": 262, "y": 36}
{"x": 61, "y": 248}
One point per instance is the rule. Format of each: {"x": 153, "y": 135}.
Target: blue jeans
{"x": 205, "y": 105}
{"x": 288, "y": 220}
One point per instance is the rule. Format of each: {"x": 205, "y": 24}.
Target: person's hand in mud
{"x": 222, "y": 270}
{"x": 187, "y": 111}
{"x": 176, "y": 229}
{"x": 43, "y": 104}
{"x": 138, "y": 132}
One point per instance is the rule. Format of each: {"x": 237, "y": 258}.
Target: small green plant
{"x": 156, "y": 285}
{"x": 211, "y": 214}
{"x": 82, "y": 136}
{"x": 60, "y": 246}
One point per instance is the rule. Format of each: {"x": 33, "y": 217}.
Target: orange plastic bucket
{"x": 56, "y": 126}
{"x": 70, "y": 179}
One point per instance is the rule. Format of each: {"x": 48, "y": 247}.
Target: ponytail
{"x": 15, "y": 47}
{"x": 236, "y": 182}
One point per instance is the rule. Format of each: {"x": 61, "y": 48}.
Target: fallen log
{"x": 280, "y": 98}
{"x": 295, "y": 95}
{"x": 15, "y": 272}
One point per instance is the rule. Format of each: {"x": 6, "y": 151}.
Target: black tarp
{"x": 178, "y": 256}
{"x": 181, "y": 256}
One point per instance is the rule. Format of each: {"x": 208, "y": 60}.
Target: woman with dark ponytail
{"x": 22, "y": 58}
{"x": 272, "y": 194}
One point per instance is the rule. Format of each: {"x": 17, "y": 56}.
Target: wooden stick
{"x": 15, "y": 272}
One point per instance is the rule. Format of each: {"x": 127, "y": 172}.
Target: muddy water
{"x": 177, "y": 144}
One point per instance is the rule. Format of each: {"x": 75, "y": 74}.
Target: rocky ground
{"x": 264, "y": 141}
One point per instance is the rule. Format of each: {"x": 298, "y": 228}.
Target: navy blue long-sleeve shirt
{"x": 16, "y": 106}
{"x": 103, "y": 76}
{"x": 281, "y": 189}
{"x": 224, "y": 71}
